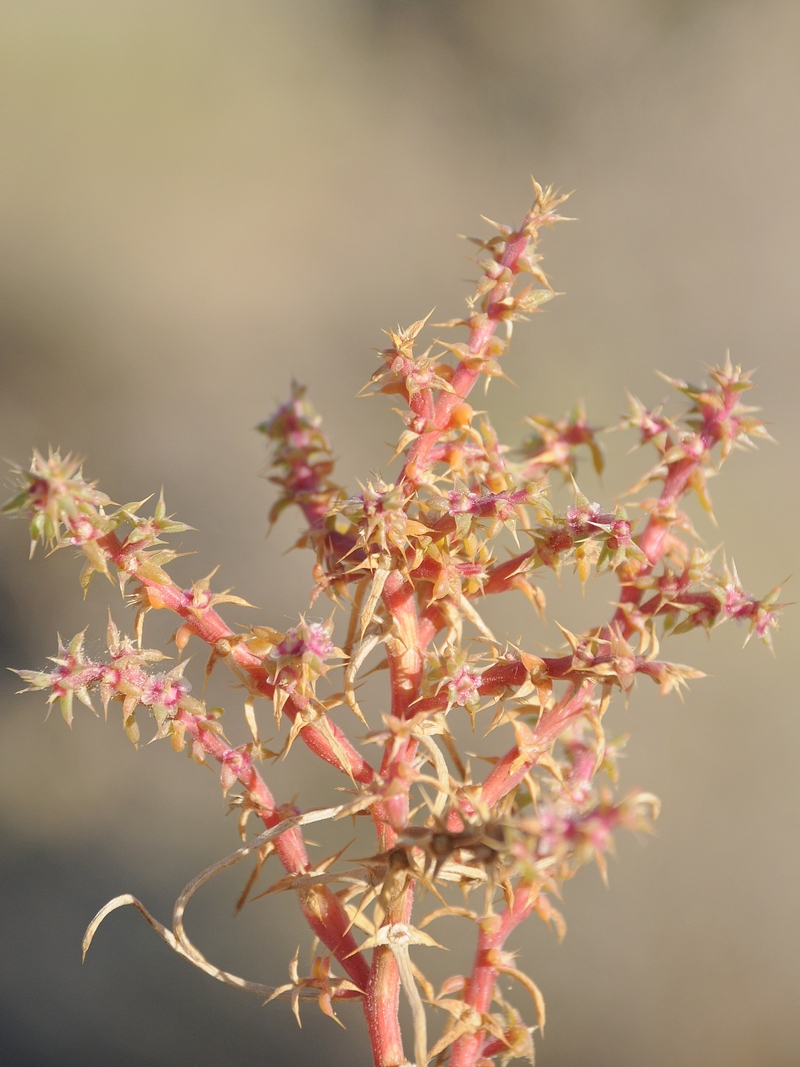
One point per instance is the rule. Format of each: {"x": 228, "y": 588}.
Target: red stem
{"x": 212, "y": 629}
{"x": 382, "y": 1003}
{"x": 465, "y": 377}
{"x": 320, "y": 906}
{"x": 654, "y": 537}
{"x": 494, "y": 931}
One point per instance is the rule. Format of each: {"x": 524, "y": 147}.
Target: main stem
{"x": 382, "y": 1003}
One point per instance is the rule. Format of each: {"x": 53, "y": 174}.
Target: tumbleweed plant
{"x": 407, "y": 565}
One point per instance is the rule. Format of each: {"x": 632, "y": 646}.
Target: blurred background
{"x": 200, "y": 201}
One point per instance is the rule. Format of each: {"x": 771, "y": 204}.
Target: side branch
{"x": 203, "y": 621}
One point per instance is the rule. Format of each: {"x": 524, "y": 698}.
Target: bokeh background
{"x": 201, "y": 200}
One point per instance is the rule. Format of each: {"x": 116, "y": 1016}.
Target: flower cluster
{"x": 407, "y": 565}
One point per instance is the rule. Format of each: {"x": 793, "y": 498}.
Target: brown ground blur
{"x": 200, "y": 201}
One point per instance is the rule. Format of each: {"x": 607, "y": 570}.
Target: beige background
{"x": 201, "y": 200}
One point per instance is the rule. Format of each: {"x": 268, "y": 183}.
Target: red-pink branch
{"x": 535, "y": 742}
{"x": 716, "y": 427}
{"x": 211, "y": 628}
{"x": 481, "y": 333}
{"x": 320, "y": 906}
{"x": 492, "y": 936}
{"x": 509, "y": 771}
{"x": 382, "y": 1002}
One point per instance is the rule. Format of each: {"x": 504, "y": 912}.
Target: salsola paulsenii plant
{"x": 408, "y": 565}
